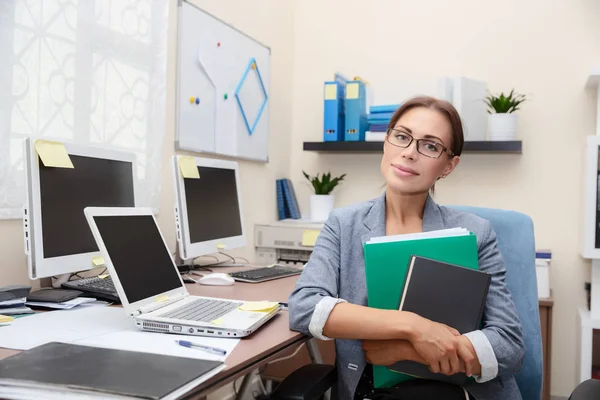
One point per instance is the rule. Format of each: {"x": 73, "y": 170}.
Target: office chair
{"x": 517, "y": 244}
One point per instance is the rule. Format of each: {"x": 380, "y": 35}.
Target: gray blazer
{"x": 336, "y": 269}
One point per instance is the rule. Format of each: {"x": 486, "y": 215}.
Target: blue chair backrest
{"x": 516, "y": 242}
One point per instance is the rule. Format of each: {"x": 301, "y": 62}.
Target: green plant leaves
{"x": 325, "y": 184}
{"x": 504, "y": 104}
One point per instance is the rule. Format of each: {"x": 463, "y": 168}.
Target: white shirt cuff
{"x": 485, "y": 354}
{"x": 320, "y": 316}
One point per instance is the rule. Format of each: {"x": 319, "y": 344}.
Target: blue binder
{"x": 281, "y": 212}
{"x": 333, "y": 110}
{"x": 289, "y": 196}
{"x": 356, "y": 111}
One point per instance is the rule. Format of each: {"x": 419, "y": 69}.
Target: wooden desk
{"x": 252, "y": 352}
{"x": 268, "y": 343}
{"x": 546, "y": 326}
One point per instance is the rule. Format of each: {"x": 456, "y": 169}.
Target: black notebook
{"x": 445, "y": 293}
{"x": 70, "y": 368}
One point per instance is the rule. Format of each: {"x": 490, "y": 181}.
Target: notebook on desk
{"x": 57, "y": 370}
{"x": 150, "y": 286}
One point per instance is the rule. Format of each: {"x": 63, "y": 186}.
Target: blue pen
{"x": 209, "y": 349}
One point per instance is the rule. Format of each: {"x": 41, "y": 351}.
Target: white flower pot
{"x": 320, "y": 206}
{"x": 502, "y": 126}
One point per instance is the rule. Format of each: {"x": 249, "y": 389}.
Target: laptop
{"x": 149, "y": 285}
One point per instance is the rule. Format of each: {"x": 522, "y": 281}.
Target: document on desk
{"x": 63, "y": 326}
{"x": 160, "y": 343}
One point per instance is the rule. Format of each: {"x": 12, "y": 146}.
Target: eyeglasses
{"x": 427, "y": 147}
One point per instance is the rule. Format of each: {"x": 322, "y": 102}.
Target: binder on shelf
{"x": 356, "y": 111}
{"x": 333, "y": 109}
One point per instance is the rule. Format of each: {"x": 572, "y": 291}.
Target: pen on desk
{"x": 209, "y": 349}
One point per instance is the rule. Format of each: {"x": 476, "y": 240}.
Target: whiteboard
{"x": 223, "y": 84}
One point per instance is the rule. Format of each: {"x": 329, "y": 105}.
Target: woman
{"x": 423, "y": 144}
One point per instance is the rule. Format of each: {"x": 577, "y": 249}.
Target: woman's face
{"x": 408, "y": 171}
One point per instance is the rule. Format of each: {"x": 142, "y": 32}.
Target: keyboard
{"x": 95, "y": 287}
{"x": 203, "y": 310}
{"x": 265, "y": 274}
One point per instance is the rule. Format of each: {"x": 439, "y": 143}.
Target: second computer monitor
{"x": 208, "y": 209}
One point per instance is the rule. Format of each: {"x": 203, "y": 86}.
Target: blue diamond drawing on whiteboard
{"x": 251, "y": 96}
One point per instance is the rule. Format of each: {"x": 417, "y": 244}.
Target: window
{"x": 84, "y": 71}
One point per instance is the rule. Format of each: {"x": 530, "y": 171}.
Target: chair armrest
{"x": 309, "y": 382}
{"x": 586, "y": 390}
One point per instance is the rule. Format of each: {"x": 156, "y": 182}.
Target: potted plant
{"x": 321, "y": 203}
{"x": 502, "y": 120}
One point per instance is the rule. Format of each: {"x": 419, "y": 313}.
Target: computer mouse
{"x": 216, "y": 279}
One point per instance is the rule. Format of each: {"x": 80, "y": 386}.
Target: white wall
{"x": 401, "y": 47}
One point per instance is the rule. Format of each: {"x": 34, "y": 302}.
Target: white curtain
{"x": 83, "y": 71}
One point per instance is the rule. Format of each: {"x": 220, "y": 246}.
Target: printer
{"x": 285, "y": 242}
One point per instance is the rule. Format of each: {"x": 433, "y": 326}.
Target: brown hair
{"x": 441, "y": 106}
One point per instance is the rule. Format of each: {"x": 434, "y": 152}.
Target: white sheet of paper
{"x": 63, "y": 326}
{"x": 159, "y": 343}
{"x": 11, "y": 302}
{"x": 65, "y": 305}
{"x": 421, "y": 235}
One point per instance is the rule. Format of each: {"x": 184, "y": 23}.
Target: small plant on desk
{"x": 321, "y": 203}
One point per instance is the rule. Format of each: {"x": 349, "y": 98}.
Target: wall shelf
{"x": 512, "y": 146}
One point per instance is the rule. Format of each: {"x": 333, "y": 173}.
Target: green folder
{"x": 386, "y": 265}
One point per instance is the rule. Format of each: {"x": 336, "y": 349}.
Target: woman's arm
{"x": 388, "y": 352}
{"x": 499, "y": 344}
{"x": 351, "y": 321}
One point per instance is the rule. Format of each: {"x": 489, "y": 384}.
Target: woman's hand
{"x": 387, "y": 352}
{"x": 438, "y": 344}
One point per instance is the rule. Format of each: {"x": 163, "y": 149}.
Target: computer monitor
{"x": 208, "y": 210}
{"x": 58, "y": 239}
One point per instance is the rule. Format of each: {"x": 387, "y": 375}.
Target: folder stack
{"x": 378, "y": 120}
{"x": 387, "y": 262}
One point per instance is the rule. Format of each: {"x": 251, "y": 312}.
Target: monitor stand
{"x": 57, "y": 281}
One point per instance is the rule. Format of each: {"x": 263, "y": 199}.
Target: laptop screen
{"x": 139, "y": 255}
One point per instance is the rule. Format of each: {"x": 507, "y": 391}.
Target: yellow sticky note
{"x": 352, "y": 91}
{"x": 98, "y": 261}
{"x": 218, "y": 321}
{"x": 104, "y": 276}
{"x": 161, "y": 298}
{"x": 220, "y": 246}
{"x": 263, "y": 306}
{"x": 330, "y": 91}
{"x": 53, "y": 154}
{"x": 6, "y": 318}
{"x": 309, "y": 237}
{"x": 188, "y": 167}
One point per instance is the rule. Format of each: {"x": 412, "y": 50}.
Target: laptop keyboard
{"x": 203, "y": 310}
